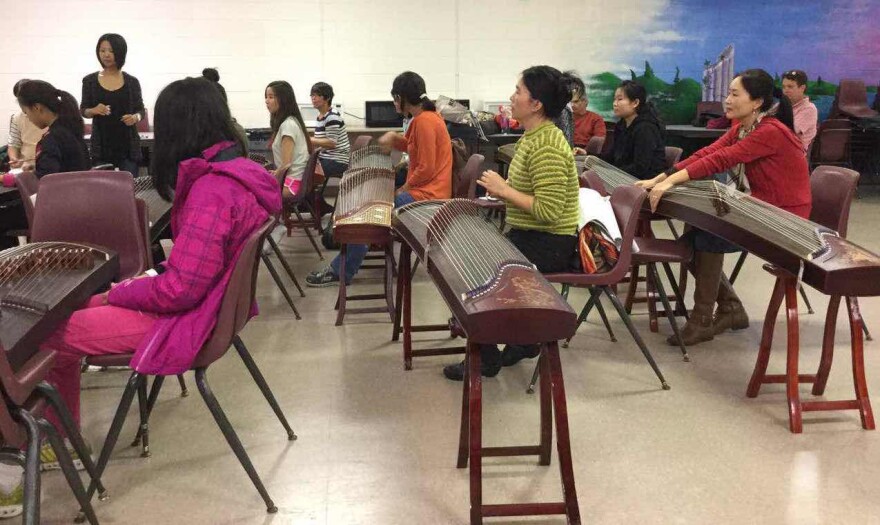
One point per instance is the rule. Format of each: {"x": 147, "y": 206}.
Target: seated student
{"x": 330, "y": 132}
{"x": 429, "y": 175}
{"x": 639, "y": 137}
{"x": 761, "y": 147}
{"x": 62, "y": 148}
{"x": 541, "y": 194}
{"x": 586, "y": 123}
{"x": 23, "y": 135}
{"x": 806, "y": 116}
{"x": 290, "y": 145}
{"x": 220, "y": 199}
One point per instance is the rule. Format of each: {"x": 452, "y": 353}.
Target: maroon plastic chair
{"x": 627, "y": 202}
{"x": 361, "y": 142}
{"x": 143, "y": 125}
{"x": 233, "y": 315}
{"x": 466, "y": 187}
{"x": 292, "y": 203}
{"x": 852, "y": 100}
{"x": 673, "y": 155}
{"x": 96, "y": 207}
{"x": 653, "y": 251}
{"x": 594, "y": 146}
{"x": 832, "y": 147}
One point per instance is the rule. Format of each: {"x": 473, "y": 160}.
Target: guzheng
{"x": 158, "y": 209}
{"x": 494, "y": 292}
{"x": 366, "y": 198}
{"x": 41, "y": 284}
{"x": 803, "y": 248}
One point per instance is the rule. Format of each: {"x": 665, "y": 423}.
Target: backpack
{"x": 597, "y": 250}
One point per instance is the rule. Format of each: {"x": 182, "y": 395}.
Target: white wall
{"x": 463, "y": 48}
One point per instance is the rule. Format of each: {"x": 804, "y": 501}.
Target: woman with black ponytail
{"x": 762, "y": 148}
{"x": 62, "y": 148}
{"x": 639, "y": 145}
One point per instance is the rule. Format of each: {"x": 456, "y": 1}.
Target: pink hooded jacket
{"x": 217, "y": 205}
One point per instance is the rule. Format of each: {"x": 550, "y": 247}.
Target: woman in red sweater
{"x": 761, "y": 147}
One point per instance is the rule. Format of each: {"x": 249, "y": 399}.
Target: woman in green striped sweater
{"x": 541, "y": 193}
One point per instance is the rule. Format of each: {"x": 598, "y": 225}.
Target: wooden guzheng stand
{"x": 363, "y": 216}
{"x": 496, "y": 296}
{"x": 797, "y": 250}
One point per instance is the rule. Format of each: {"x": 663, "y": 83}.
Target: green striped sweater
{"x": 543, "y": 167}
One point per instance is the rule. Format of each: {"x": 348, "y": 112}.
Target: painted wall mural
{"x": 696, "y": 46}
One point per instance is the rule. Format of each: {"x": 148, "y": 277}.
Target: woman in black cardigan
{"x": 112, "y": 99}
{"x": 639, "y": 137}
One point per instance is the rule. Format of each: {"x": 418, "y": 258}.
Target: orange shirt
{"x": 430, "y": 158}
{"x": 586, "y": 127}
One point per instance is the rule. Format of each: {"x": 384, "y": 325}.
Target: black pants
{"x": 550, "y": 252}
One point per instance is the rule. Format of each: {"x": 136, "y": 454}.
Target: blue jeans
{"x": 355, "y": 253}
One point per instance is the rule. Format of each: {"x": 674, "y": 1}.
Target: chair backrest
{"x": 361, "y": 142}
{"x": 627, "y": 203}
{"x": 833, "y": 190}
{"x": 594, "y": 145}
{"x": 710, "y": 106}
{"x": 28, "y": 185}
{"x": 833, "y": 145}
{"x": 144, "y": 215}
{"x": 237, "y": 300}
{"x": 96, "y": 207}
{"x": 466, "y": 186}
{"x": 673, "y": 155}
{"x": 836, "y": 123}
{"x": 589, "y": 179}
{"x": 852, "y": 92}
{"x": 305, "y": 188}
{"x": 143, "y": 126}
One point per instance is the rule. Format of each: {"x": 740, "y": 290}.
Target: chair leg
{"x": 277, "y": 279}
{"x": 635, "y": 334}
{"x": 31, "y": 470}
{"x": 151, "y": 402}
{"x": 183, "y": 390}
{"x": 144, "y": 427}
{"x": 73, "y": 434}
{"x": 631, "y": 289}
{"x": 261, "y": 382}
{"x": 601, "y": 310}
{"x": 284, "y": 264}
{"x": 738, "y": 266}
{"x": 680, "y": 308}
{"x": 806, "y": 299}
{"x": 69, "y": 470}
{"x": 652, "y": 269}
{"x": 535, "y": 374}
{"x": 232, "y": 438}
{"x": 672, "y": 228}
{"x": 583, "y": 315}
{"x": 308, "y": 233}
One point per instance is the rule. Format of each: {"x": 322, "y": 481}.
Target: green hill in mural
{"x": 676, "y": 102}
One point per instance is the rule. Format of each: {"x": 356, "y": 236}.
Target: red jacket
{"x": 774, "y": 159}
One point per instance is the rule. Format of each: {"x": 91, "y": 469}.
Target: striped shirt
{"x": 331, "y": 126}
{"x": 543, "y": 167}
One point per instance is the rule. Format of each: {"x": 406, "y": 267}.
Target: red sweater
{"x": 774, "y": 159}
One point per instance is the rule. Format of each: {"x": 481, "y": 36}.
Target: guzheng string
{"x": 801, "y": 237}
{"x": 370, "y": 157}
{"x": 35, "y": 284}
{"x": 366, "y": 195}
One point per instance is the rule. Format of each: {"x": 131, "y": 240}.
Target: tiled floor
{"x": 377, "y": 445}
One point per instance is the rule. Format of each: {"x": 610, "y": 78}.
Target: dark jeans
{"x": 551, "y": 253}
{"x": 332, "y": 168}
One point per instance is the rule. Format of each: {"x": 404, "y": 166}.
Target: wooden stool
{"x": 383, "y": 240}
{"x": 470, "y": 445}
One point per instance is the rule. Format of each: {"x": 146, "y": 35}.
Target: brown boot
{"x": 730, "y": 314}
{"x": 707, "y": 274}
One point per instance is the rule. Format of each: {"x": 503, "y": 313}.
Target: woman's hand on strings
{"x": 650, "y": 183}
{"x": 657, "y": 192}
{"x": 494, "y": 183}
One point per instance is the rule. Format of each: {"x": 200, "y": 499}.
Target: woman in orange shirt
{"x": 429, "y": 176}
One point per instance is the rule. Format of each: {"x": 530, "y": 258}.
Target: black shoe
{"x": 513, "y": 354}
{"x": 456, "y": 372}
{"x": 322, "y": 278}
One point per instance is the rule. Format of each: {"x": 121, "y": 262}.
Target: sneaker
{"x": 11, "y": 503}
{"x": 49, "y": 461}
{"x": 456, "y": 372}
{"x": 322, "y": 278}
{"x": 513, "y": 354}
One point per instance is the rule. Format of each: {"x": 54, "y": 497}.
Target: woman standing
{"x": 763, "y": 148}
{"x": 112, "y": 99}
{"x": 541, "y": 194}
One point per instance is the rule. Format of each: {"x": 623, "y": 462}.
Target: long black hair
{"x": 410, "y": 88}
{"x": 120, "y": 48}
{"x": 632, "y": 90}
{"x": 62, "y": 103}
{"x": 760, "y": 85}
{"x": 190, "y": 117}
{"x": 287, "y": 107}
{"x": 547, "y": 85}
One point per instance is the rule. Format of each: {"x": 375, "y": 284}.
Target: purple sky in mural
{"x": 832, "y": 38}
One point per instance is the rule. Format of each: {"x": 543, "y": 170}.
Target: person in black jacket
{"x": 62, "y": 148}
{"x": 113, "y": 100}
{"x": 639, "y": 145}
